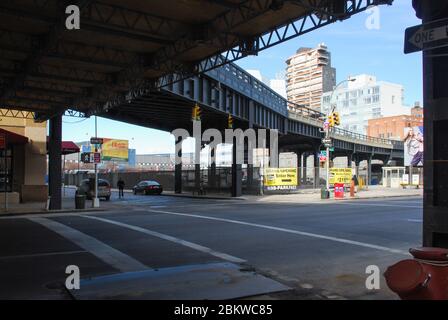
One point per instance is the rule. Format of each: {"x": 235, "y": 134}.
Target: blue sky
{"x": 355, "y": 50}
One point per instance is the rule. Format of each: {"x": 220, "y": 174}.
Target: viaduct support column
{"x": 54, "y": 162}
{"x": 369, "y": 170}
{"x": 299, "y": 167}
{"x": 178, "y": 166}
{"x": 237, "y": 189}
{"x": 212, "y": 171}
{"x": 304, "y": 164}
{"x": 435, "y": 96}
{"x": 316, "y": 168}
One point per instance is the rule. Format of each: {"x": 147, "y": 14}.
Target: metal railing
{"x": 305, "y": 111}
{"x": 237, "y": 78}
{"x": 358, "y": 136}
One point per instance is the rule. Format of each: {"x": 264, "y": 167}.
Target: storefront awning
{"x": 12, "y": 138}
{"x": 68, "y": 147}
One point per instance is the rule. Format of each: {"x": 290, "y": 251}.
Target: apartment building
{"x": 363, "y": 99}
{"x": 308, "y": 75}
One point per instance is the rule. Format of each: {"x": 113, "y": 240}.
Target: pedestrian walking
{"x": 120, "y": 185}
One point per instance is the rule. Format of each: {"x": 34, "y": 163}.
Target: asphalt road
{"x": 318, "y": 248}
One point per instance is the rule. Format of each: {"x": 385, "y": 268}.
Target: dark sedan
{"x": 148, "y": 187}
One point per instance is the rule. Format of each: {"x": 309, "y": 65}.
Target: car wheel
{"x": 146, "y": 192}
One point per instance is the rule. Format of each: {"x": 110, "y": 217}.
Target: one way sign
{"x": 426, "y": 36}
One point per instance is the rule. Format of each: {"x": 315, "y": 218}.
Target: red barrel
{"x": 338, "y": 190}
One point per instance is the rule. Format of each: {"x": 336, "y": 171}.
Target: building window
{"x": 375, "y": 98}
{"x": 393, "y": 99}
{"x": 376, "y": 90}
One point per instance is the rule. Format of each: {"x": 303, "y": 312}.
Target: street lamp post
{"x": 327, "y": 132}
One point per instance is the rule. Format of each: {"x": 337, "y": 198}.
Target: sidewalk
{"x": 374, "y": 192}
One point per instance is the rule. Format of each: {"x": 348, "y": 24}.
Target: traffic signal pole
{"x": 96, "y": 202}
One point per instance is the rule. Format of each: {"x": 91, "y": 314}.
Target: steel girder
{"x": 238, "y": 47}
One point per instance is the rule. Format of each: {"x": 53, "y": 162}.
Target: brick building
{"x": 393, "y": 127}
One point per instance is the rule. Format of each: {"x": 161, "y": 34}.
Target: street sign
{"x": 96, "y": 157}
{"x": 96, "y": 140}
{"x": 86, "y": 149}
{"x": 323, "y": 156}
{"x": 426, "y": 36}
{"x": 85, "y": 157}
{"x": 331, "y": 149}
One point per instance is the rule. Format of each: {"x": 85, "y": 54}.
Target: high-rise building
{"x": 308, "y": 75}
{"x": 363, "y": 99}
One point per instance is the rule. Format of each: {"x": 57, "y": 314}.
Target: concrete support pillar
{"x": 316, "y": 169}
{"x": 212, "y": 170}
{"x": 349, "y": 160}
{"x": 304, "y": 166}
{"x": 299, "y": 167}
{"x": 369, "y": 171}
{"x": 54, "y": 162}
{"x": 236, "y": 173}
{"x": 178, "y": 166}
{"x": 357, "y": 162}
{"x": 248, "y": 159}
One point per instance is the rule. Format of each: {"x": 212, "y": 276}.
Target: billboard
{"x": 115, "y": 150}
{"x": 340, "y": 175}
{"x": 413, "y": 146}
{"x": 280, "y": 178}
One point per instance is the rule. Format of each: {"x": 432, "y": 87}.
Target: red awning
{"x": 69, "y": 147}
{"x": 13, "y": 138}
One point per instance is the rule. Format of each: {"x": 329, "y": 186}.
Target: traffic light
{"x": 196, "y": 114}
{"x": 330, "y": 121}
{"x": 230, "y": 122}
{"x": 336, "y": 119}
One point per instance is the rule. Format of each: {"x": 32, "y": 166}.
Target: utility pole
{"x": 332, "y": 119}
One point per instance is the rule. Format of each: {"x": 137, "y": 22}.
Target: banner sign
{"x": 341, "y": 175}
{"x": 115, "y": 150}
{"x": 280, "y": 178}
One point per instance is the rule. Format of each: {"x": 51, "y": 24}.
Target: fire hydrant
{"x": 423, "y": 278}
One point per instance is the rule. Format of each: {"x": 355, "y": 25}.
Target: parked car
{"x": 87, "y": 188}
{"x": 148, "y": 187}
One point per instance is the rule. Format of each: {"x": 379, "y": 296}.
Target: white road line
{"x": 376, "y": 205}
{"x": 106, "y": 253}
{"x": 302, "y": 233}
{"x": 415, "y": 220}
{"x": 185, "y": 243}
{"x": 45, "y": 254}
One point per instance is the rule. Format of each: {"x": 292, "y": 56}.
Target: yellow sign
{"x": 280, "y": 178}
{"x": 113, "y": 149}
{"x": 341, "y": 175}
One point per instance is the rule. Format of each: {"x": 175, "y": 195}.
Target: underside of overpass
{"x": 126, "y": 51}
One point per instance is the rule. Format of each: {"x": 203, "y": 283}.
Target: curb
{"x": 13, "y": 214}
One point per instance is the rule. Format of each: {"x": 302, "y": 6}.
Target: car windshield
{"x": 152, "y": 183}
{"x": 103, "y": 183}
